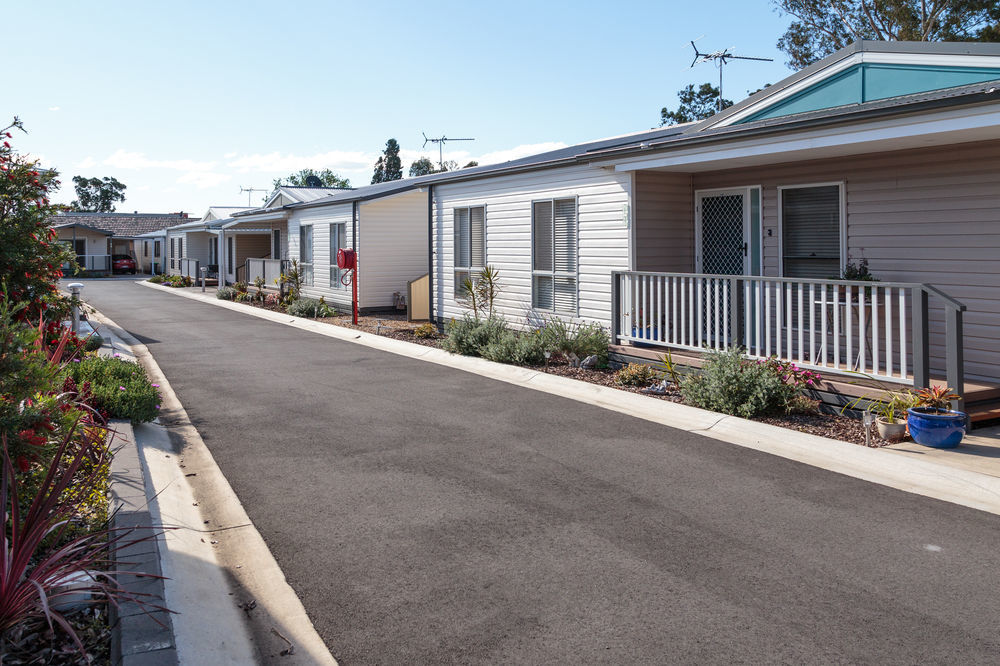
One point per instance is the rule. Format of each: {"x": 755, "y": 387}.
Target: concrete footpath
{"x": 969, "y": 476}
{"x": 223, "y": 612}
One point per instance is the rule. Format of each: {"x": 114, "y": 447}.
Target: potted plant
{"x": 932, "y": 423}
{"x": 891, "y": 413}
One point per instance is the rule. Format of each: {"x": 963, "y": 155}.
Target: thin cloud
{"x": 53, "y": 108}
{"x": 204, "y": 180}
{"x": 88, "y": 162}
{"x": 123, "y": 159}
{"x": 336, "y": 160}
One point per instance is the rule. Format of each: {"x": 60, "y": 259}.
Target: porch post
{"x": 954, "y": 352}
{"x": 921, "y": 348}
{"x": 615, "y": 306}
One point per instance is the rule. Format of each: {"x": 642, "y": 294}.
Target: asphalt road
{"x": 427, "y": 515}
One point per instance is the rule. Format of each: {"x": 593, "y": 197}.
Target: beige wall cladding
{"x": 928, "y": 215}
{"x": 664, "y": 222}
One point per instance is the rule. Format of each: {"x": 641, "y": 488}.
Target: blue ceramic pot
{"x": 941, "y": 429}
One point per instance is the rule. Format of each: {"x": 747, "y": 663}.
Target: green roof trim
{"x": 867, "y": 82}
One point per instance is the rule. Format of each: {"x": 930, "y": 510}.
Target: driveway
{"x": 424, "y": 514}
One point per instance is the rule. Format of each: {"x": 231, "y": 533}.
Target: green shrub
{"x": 242, "y": 297}
{"x": 469, "y": 336}
{"x": 636, "y": 374}
{"x": 118, "y": 387}
{"x": 516, "y": 348}
{"x": 731, "y": 384}
{"x": 310, "y": 307}
{"x": 157, "y": 279}
{"x": 225, "y": 294}
{"x": 578, "y": 340}
{"x": 427, "y": 330}
{"x": 241, "y": 287}
{"x": 93, "y": 343}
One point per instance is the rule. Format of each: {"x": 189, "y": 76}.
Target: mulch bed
{"x": 35, "y": 643}
{"x": 834, "y": 426}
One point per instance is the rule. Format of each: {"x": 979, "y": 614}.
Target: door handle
{"x": 744, "y": 248}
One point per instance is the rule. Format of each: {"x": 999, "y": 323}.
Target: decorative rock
{"x": 660, "y": 388}
{"x": 589, "y": 362}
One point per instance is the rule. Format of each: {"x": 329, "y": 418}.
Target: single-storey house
{"x": 149, "y": 247}
{"x": 386, "y": 224}
{"x": 97, "y": 237}
{"x": 195, "y": 243}
{"x": 737, "y": 230}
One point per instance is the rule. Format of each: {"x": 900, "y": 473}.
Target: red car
{"x": 122, "y": 263}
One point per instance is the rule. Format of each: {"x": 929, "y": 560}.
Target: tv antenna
{"x": 720, "y": 58}
{"x": 440, "y": 142}
{"x": 250, "y": 191}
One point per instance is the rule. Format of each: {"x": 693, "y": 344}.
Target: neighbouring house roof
{"x": 76, "y": 225}
{"x": 127, "y": 225}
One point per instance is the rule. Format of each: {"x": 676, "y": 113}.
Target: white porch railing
{"x": 875, "y": 328}
{"x": 189, "y": 267}
{"x": 92, "y": 262}
{"x": 269, "y": 269}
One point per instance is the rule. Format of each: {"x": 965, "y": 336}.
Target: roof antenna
{"x": 720, "y": 58}
{"x": 440, "y": 142}
{"x": 250, "y": 191}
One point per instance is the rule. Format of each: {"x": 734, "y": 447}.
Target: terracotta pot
{"x": 891, "y": 431}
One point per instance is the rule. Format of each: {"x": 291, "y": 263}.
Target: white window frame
{"x": 469, "y": 271}
{"x": 842, "y": 184}
{"x": 575, "y": 275}
{"x": 341, "y": 232}
{"x": 307, "y": 268}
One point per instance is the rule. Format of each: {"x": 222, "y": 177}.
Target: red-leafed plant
{"x": 41, "y": 551}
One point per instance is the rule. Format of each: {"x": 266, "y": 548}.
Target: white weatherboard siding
{"x": 393, "y": 248}
{"x": 321, "y": 218}
{"x": 603, "y": 198}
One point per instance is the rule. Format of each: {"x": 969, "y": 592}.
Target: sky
{"x": 188, "y": 102}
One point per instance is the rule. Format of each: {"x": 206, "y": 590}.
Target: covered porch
{"x": 252, "y": 248}
{"x": 756, "y": 255}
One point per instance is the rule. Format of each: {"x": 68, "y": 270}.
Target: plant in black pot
{"x": 932, "y": 423}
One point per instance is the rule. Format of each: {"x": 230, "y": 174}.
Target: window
{"x": 180, "y": 248}
{"x": 156, "y": 248}
{"x": 553, "y": 256}
{"x": 810, "y": 232}
{"x": 338, "y": 239}
{"x": 145, "y": 248}
{"x": 470, "y": 244}
{"x": 306, "y": 254}
{"x": 213, "y": 251}
{"x": 276, "y": 244}
{"x": 173, "y": 252}
{"x": 229, "y": 255}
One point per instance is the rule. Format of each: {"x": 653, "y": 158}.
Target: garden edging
{"x": 931, "y": 479}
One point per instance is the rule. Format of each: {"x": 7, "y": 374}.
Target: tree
{"x": 31, "y": 258}
{"x": 824, "y": 26}
{"x": 389, "y": 167}
{"x": 694, "y": 105}
{"x": 327, "y": 177}
{"x": 471, "y": 164}
{"x": 97, "y": 195}
{"x": 422, "y": 167}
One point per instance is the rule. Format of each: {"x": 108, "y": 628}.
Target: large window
{"x": 811, "y": 232}
{"x": 470, "y": 244}
{"x": 338, "y": 239}
{"x": 173, "y": 252}
{"x": 230, "y": 261}
{"x": 553, "y": 256}
{"x": 156, "y": 248}
{"x": 306, "y": 254}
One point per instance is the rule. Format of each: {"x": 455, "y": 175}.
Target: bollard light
{"x": 868, "y": 419}
{"x": 74, "y": 289}
{"x": 204, "y": 274}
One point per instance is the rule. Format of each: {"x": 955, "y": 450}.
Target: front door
{"x": 722, "y": 220}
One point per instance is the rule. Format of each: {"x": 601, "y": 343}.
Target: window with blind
{"x": 338, "y": 236}
{"x": 554, "y": 256}
{"x": 470, "y": 244}
{"x": 306, "y": 254}
{"x": 810, "y": 232}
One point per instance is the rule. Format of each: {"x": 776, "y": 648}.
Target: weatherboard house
{"x": 736, "y": 230}
{"x": 96, "y": 237}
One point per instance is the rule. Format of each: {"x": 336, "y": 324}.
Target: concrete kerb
{"x": 216, "y": 561}
{"x": 922, "y": 477}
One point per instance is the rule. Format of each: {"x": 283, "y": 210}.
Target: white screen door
{"x": 722, "y": 232}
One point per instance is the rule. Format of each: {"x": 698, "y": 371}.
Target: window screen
{"x": 810, "y": 237}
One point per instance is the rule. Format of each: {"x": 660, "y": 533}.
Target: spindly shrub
{"x": 731, "y": 384}
{"x": 636, "y": 374}
{"x": 118, "y": 387}
{"x": 469, "y": 336}
{"x": 225, "y": 294}
{"x": 310, "y": 307}
{"x": 516, "y": 348}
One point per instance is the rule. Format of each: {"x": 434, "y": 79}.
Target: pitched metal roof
{"x": 127, "y": 225}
